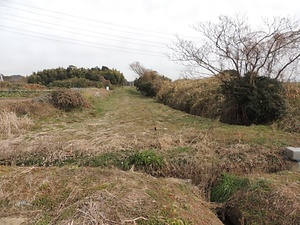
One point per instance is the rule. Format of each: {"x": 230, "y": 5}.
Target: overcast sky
{"x": 44, "y": 34}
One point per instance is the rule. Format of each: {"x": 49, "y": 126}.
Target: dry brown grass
{"x": 11, "y": 124}
{"x": 199, "y": 97}
{"x": 28, "y": 107}
{"x": 195, "y": 149}
{"x": 291, "y": 122}
{"x": 129, "y": 126}
{"x": 34, "y": 87}
{"x": 96, "y": 196}
{"x": 67, "y": 99}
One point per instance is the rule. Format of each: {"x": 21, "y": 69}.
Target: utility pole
{"x": 1, "y": 77}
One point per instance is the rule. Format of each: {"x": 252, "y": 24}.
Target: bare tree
{"x": 272, "y": 50}
{"x": 137, "y": 68}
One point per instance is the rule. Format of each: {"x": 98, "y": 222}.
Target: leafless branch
{"x": 232, "y": 44}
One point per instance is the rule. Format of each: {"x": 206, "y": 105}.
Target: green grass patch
{"x": 147, "y": 158}
{"x": 164, "y": 221}
{"x": 231, "y": 184}
{"x": 104, "y": 160}
{"x": 132, "y": 91}
{"x": 228, "y": 185}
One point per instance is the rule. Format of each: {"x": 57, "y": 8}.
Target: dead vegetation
{"x": 115, "y": 129}
{"x": 96, "y": 196}
{"x": 199, "y": 97}
{"x": 11, "y": 124}
{"x": 74, "y": 135}
{"x": 291, "y": 122}
{"x": 30, "y": 107}
{"x": 67, "y": 99}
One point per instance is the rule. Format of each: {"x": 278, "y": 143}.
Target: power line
{"x": 98, "y": 21}
{"x": 75, "y": 28}
{"x": 88, "y": 19}
{"x": 108, "y": 28}
{"x": 72, "y": 39}
{"x": 93, "y": 46}
{"x": 83, "y": 34}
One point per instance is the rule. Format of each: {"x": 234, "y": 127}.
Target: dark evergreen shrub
{"x": 257, "y": 101}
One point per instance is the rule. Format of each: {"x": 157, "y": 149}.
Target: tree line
{"x": 78, "y": 77}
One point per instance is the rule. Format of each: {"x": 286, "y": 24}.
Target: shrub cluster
{"x": 199, "y": 97}
{"x": 291, "y": 121}
{"x": 67, "y": 99}
{"x": 150, "y": 83}
{"x": 260, "y": 101}
{"x": 234, "y": 101}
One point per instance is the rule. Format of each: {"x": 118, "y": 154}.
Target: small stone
{"x": 23, "y": 203}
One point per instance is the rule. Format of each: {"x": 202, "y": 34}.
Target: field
{"x": 128, "y": 159}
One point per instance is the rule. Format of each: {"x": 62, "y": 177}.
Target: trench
{"x": 207, "y": 177}
{"x": 226, "y": 221}
{"x": 204, "y": 176}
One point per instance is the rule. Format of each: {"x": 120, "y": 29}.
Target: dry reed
{"x": 11, "y": 124}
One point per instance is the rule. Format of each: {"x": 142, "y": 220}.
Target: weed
{"x": 45, "y": 220}
{"x": 104, "y": 160}
{"x": 10, "y": 123}
{"x": 32, "y": 160}
{"x": 44, "y": 202}
{"x": 227, "y": 187}
{"x": 146, "y": 159}
{"x": 164, "y": 221}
